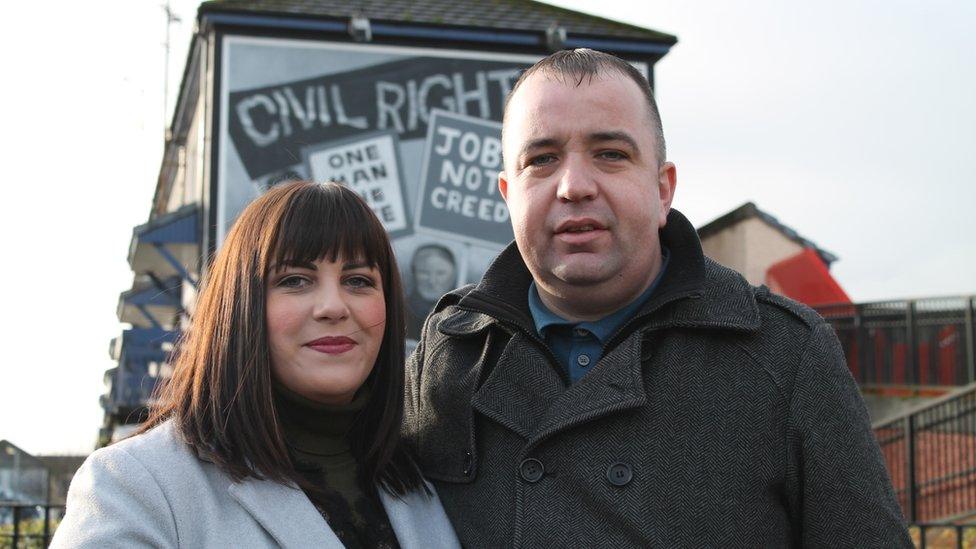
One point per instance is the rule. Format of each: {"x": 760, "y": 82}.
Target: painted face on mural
{"x": 434, "y": 272}
{"x": 585, "y": 191}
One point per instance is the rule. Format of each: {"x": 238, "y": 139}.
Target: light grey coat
{"x": 151, "y": 491}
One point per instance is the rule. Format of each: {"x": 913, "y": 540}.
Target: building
{"x": 768, "y": 252}
{"x": 23, "y": 477}
{"x": 366, "y": 93}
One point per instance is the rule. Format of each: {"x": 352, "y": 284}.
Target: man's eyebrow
{"x": 540, "y": 143}
{"x": 600, "y": 137}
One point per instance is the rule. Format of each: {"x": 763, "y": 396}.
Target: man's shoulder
{"x": 773, "y": 309}
{"x": 783, "y": 308}
{"x": 780, "y": 329}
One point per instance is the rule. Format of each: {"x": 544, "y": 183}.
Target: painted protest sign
{"x": 459, "y": 195}
{"x": 370, "y": 165}
{"x": 270, "y": 124}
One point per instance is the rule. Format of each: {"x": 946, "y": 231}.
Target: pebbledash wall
{"x": 400, "y": 100}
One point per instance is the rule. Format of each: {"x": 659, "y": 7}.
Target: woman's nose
{"x": 330, "y": 303}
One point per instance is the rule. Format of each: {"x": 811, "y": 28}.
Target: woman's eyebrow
{"x": 294, "y": 264}
{"x": 358, "y": 264}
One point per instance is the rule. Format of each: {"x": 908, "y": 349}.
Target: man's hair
{"x": 221, "y": 397}
{"x": 586, "y": 64}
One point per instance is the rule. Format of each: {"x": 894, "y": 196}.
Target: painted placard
{"x": 459, "y": 194}
{"x": 370, "y": 165}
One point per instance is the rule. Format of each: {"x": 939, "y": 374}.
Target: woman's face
{"x": 325, "y": 326}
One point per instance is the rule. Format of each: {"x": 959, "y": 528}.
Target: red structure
{"x": 805, "y": 278}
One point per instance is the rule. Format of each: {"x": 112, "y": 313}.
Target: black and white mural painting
{"x": 415, "y": 131}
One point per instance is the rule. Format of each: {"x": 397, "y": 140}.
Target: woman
{"x": 280, "y": 423}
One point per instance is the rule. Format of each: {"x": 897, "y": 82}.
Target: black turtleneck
{"x": 318, "y": 442}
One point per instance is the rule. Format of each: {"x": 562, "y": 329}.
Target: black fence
{"x": 944, "y": 536}
{"x": 915, "y": 342}
{"x": 931, "y": 458}
{"x": 25, "y": 526}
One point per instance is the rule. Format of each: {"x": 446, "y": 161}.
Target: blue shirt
{"x": 579, "y": 346}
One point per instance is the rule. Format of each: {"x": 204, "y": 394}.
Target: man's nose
{"x": 330, "y": 303}
{"x": 576, "y": 182}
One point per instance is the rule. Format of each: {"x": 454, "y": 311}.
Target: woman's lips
{"x": 332, "y": 345}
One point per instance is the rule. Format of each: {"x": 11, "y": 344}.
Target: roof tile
{"x": 524, "y": 15}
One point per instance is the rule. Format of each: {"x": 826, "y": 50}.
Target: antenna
{"x": 171, "y": 18}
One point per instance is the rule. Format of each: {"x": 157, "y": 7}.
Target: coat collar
{"x": 534, "y": 402}
{"x": 695, "y": 292}
{"x": 285, "y": 512}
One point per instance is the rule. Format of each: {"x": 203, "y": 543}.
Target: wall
{"x": 749, "y": 247}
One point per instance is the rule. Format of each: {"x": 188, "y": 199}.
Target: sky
{"x": 852, "y": 122}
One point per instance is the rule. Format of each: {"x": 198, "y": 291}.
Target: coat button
{"x": 466, "y": 471}
{"x": 619, "y": 474}
{"x": 531, "y": 470}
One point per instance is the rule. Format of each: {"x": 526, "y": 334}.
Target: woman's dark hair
{"x": 221, "y": 396}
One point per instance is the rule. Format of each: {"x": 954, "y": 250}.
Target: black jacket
{"x": 719, "y": 416}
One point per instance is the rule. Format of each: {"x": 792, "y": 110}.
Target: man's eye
{"x": 542, "y": 160}
{"x": 612, "y": 155}
{"x": 294, "y": 282}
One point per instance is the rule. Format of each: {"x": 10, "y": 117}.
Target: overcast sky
{"x": 852, "y": 122}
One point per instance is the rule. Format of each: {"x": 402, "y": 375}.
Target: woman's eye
{"x": 360, "y": 281}
{"x": 294, "y": 282}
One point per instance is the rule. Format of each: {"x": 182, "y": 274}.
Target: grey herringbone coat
{"x": 719, "y": 416}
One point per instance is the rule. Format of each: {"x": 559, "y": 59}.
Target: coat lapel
{"x": 419, "y": 521}
{"x": 520, "y": 388}
{"x": 285, "y": 512}
{"x": 615, "y": 384}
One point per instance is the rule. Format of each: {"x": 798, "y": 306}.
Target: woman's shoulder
{"x": 121, "y": 493}
{"x": 160, "y": 451}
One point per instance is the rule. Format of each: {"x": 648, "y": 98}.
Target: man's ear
{"x": 503, "y": 185}
{"x": 667, "y": 180}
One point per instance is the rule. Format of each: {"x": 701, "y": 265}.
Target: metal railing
{"x": 24, "y": 525}
{"x": 919, "y": 342}
{"x": 931, "y": 458}
{"x": 944, "y": 536}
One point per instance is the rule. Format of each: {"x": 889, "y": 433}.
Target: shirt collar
{"x": 603, "y": 328}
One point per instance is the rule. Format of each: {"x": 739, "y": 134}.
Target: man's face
{"x": 582, "y": 183}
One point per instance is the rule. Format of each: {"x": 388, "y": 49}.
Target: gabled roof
{"x": 507, "y": 15}
{"x": 8, "y": 451}
{"x": 750, "y": 210}
{"x": 805, "y": 278}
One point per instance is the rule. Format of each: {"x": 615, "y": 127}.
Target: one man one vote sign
{"x": 459, "y": 194}
{"x": 370, "y": 166}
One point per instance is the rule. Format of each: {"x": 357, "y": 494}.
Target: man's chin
{"x": 582, "y": 274}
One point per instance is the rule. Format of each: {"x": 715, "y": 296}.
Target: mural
{"x": 415, "y": 131}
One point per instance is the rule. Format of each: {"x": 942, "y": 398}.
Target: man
{"x": 607, "y": 385}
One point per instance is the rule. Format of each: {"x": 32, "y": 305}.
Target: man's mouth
{"x": 583, "y": 225}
